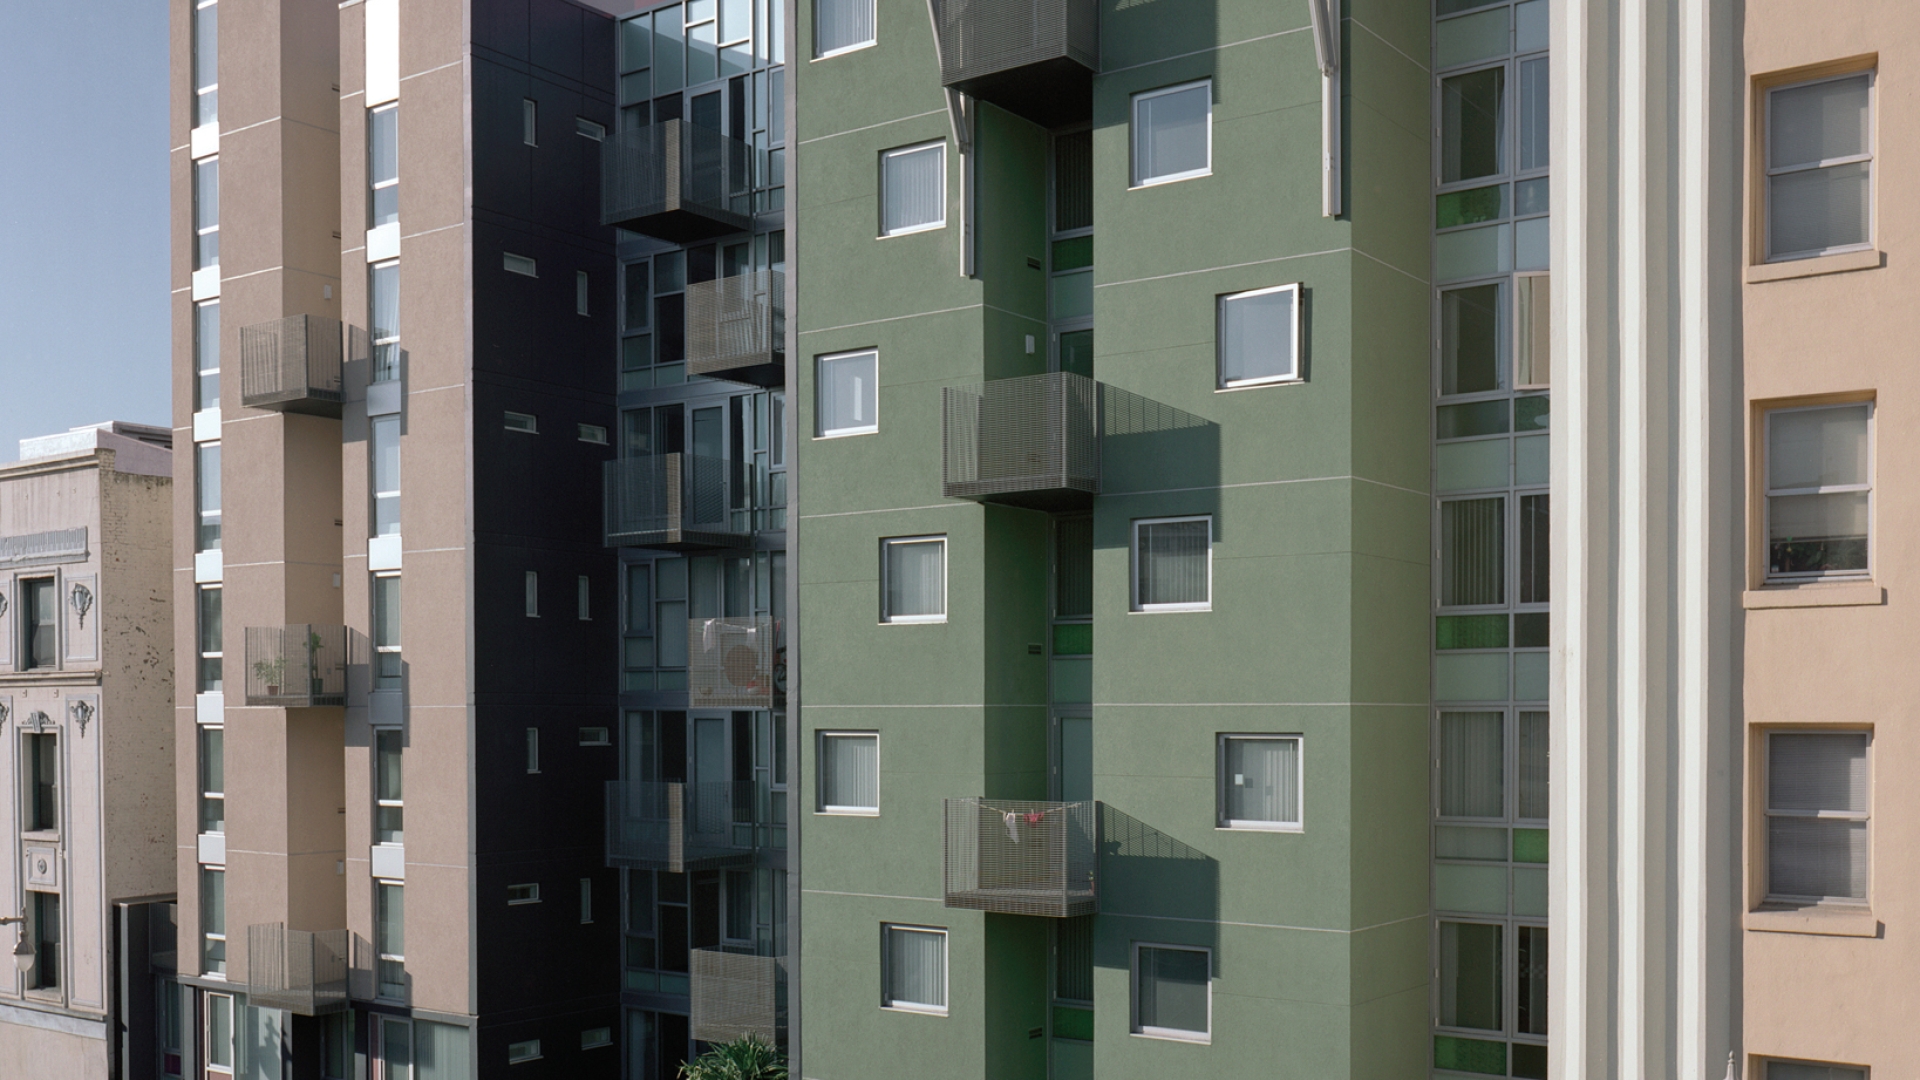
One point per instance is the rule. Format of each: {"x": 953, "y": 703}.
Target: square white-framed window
{"x": 525, "y": 1050}
{"x": 1173, "y": 133}
{"x": 913, "y": 188}
{"x": 849, "y": 780}
{"x": 1777, "y": 1069}
{"x": 1173, "y": 992}
{"x": 913, "y": 579}
{"x": 1258, "y": 337}
{"x": 1173, "y": 564}
{"x": 1819, "y": 794}
{"x": 842, "y": 26}
{"x": 913, "y": 967}
{"x": 847, "y": 394}
{"x": 1260, "y": 782}
{"x": 1819, "y": 167}
{"x": 1819, "y": 504}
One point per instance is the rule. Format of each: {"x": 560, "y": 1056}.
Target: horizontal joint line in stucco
{"x": 891, "y": 318}
{"x": 1264, "y": 926}
{"x": 972, "y": 705}
{"x": 874, "y": 896}
{"x": 431, "y": 70}
{"x": 888, "y": 510}
{"x": 1264, "y": 483}
{"x": 1212, "y": 49}
{"x": 1260, "y": 704}
{"x": 870, "y": 127}
{"x": 1228, "y": 266}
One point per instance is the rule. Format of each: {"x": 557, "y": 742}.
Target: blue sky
{"x": 83, "y": 216}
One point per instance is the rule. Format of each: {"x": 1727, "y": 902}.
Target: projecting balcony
{"x": 1023, "y": 858}
{"x": 736, "y": 328}
{"x": 734, "y": 663}
{"x": 1033, "y": 58}
{"x": 292, "y": 365}
{"x": 676, "y": 502}
{"x": 674, "y": 826}
{"x": 1031, "y": 441}
{"x": 732, "y": 996}
{"x": 678, "y": 182}
{"x": 297, "y": 667}
{"x": 304, "y": 971}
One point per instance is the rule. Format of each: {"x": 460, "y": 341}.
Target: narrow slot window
{"x": 386, "y": 632}
{"x": 390, "y": 940}
{"x": 390, "y": 808}
{"x": 530, "y": 122}
{"x": 383, "y": 165}
{"x": 211, "y": 635}
{"x": 213, "y": 784}
{"x": 383, "y": 306}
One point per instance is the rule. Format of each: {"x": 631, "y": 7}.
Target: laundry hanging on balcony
{"x": 1014, "y": 817}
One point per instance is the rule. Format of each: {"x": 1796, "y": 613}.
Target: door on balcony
{"x": 1072, "y": 758}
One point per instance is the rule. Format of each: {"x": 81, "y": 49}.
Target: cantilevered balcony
{"x": 734, "y": 663}
{"x": 292, "y": 365}
{"x": 304, "y": 971}
{"x": 1023, "y": 858}
{"x": 1031, "y": 441}
{"x": 676, "y": 181}
{"x": 674, "y": 826}
{"x": 732, "y": 996}
{"x": 1033, "y": 58}
{"x": 297, "y": 667}
{"x": 736, "y": 328}
{"x": 676, "y": 502}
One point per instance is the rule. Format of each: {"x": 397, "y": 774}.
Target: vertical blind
{"x": 1818, "y": 476}
{"x": 850, "y": 772}
{"x": 916, "y": 578}
{"x": 1534, "y": 556}
{"x": 1531, "y": 993}
{"x": 1173, "y": 989}
{"x": 841, "y": 24}
{"x": 1473, "y": 542}
{"x": 847, "y": 392}
{"x": 1533, "y": 767}
{"x": 1472, "y": 765}
{"x": 1170, "y": 136}
{"x": 439, "y": 1051}
{"x": 916, "y": 968}
{"x": 1073, "y": 958}
{"x": 1263, "y": 780}
{"x": 1817, "y": 815}
{"x": 1073, "y": 567}
{"x": 1073, "y": 181}
{"x": 914, "y": 187}
{"x": 1172, "y": 562}
{"x": 1818, "y": 143}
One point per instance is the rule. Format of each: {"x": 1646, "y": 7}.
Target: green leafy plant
{"x": 747, "y": 1058}
{"x": 270, "y": 671}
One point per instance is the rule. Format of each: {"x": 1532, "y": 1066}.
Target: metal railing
{"x": 304, "y": 971}
{"x": 1035, "y": 58}
{"x": 293, "y": 364}
{"x": 298, "y": 666}
{"x": 677, "y": 181}
{"x": 1032, "y": 440}
{"x": 736, "y": 328}
{"x": 733, "y": 663}
{"x": 1023, "y": 858}
{"x": 732, "y": 996}
{"x": 674, "y": 501}
{"x": 676, "y": 826}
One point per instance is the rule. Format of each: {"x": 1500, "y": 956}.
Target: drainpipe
{"x": 1326, "y": 49}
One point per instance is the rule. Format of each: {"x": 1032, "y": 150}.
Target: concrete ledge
{"x": 1871, "y": 259}
{"x": 1833, "y": 921}
{"x": 1848, "y": 594}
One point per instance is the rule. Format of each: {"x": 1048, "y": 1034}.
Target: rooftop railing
{"x": 1029, "y": 441}
{"x": 293, "y": 365}
{"x": 1022, "y": 858}
{"x": 677, "y": 181}
{"x": 736, "y": 328}
{"x": 677, "y": 826}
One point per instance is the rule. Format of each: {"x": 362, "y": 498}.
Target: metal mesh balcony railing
{"x": 1034, "y": 58}
{"x": 674, "y": 501}
{"x": 1022, "y": 858}
{"x": 732, "y": 996}
{"x": 736, "y": 328}
{"x": 675, "y": 826}
{"x": 1029, "y": 441}
{"x": 292, "y": 365}
{"x": 301, "y": 970}
{"x": 298, "y": 666}
{"x": 731, "y": 663}
{"x": 678, "y": 181}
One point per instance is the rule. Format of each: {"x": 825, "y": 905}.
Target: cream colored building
{"x": 86, "y": 677}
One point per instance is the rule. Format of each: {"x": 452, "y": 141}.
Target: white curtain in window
{"x": 1817, "y": 856}
{"x": 1173, "y": 989}
{"x": 1170, "y": 135}
{"x": 841, "y": 24}
{"x": 1472, "y": 766}
{"x": 916, "y": 579}
{"x": 850, "y": 772}
{"x": 1473, "y": 545}
{"x": 439, "y": 1051}
{"x": 1263, "y": 780}
{"x": 915, "y": 188}
{"x": 1173, "y": 562}
{"x": 1256, "y": 337}
{"x": 847, "y": 389}
{"x": 916, "y": 968}
{"x": 1533, "y": 766}
{"x": 1817, "y": 207}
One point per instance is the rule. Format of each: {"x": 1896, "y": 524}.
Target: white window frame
{"x": 594, "y": 1038}
{"x": 1135, "y": 1027}
{"x": 388, "y": 346}
{"x": 592, "y": 433}
{"x": 887, "y": 1000}
{"x": 379, "y": 803}
{"x": 1299, "y": 783}
{"x": 903, "y": 151}
{"x": 589, "y": 129}
{"x": 821, "y": 431}
{"x": 386, "y": 639}
{"x": 524, "y": 423}
{"x": 1769, "y": 492}
{"x": 1133, "y": 566}
{"x": 1768, "y": 813}
{"x": 233, "y": 1036}
{"x": 204, "y": 350}
{"x": 1133, "y": 136}
{"x": 200, "y": 780}
{"x": 211, "y": 162}
{"x": 200, "y": 91}
{"x": 375, "y": 185}
{"x": 887, "y": 544}
{"x": 1768, "y": 171}
{"x": 209, "y": 936}
{"x": 821, "y": 805}
{"x": 869, "y": 43}
{"x": 1221, "y": 382}
{"x": 398, "y": 959}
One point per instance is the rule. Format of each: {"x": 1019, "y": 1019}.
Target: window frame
{"x": 208, "y": 935}
{"x": 1767, "y": 814}
{"x": 887, "y": 999}
{"x": 40, "y": 980}
{"x": 887, "y": 544}
{"x": 200, "y": 90}
{"x": 206, "y": 346}
{"x": 889, "y": 155}
{"x": 874, "y": 18}
{"x": 386, "y": 637}
{"x": 1140, "y": 1030}
{"x": 380, "y": 734}
{"x": 820, "y": 804}
{"x": 384, "y": 958}
{"x": 1768, "y": 492}
{"x": 1135, "y": 606}
{"x": 1295, "y": 338}
{"x": 206, "y": 168}
{"x": 207, "y": 795}
{"x": 523, "y": 893}
{"x": 821, "y": 431}
{"x": 1768, "y": 172}
{"x": 32, "y": 783}
{"x": 375, "y": 184}
{"x": 1222, "y": 821}
{"x": 384, "y": 350}
{"x": 519, "y": 1053}
{"x": 202, "y": 684}
{"x": 1135, "y": 180}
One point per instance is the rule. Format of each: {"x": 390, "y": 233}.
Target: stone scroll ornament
{"x": 82, "y": 600}
{"x": 82, "y": 712}
{"x": 4, "y": 712}
{"x": 3, "y": 603}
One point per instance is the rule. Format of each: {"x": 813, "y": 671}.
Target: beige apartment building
{"x": 86, "y": 675}
{"x": 1832, "y": 694}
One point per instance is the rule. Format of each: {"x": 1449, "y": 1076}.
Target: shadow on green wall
{"x": 1145, "y": 872}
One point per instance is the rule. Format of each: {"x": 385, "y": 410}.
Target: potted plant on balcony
{"x": 271, "y": 672}
{"x": 315, "y": 685}
{"x": 746, "y": 1058}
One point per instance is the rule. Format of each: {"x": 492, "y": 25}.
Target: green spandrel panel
{"x": 1530, "y": 460}
{"x": 1072, "y": 682}
{"x": 1468, "y": 842}
{"x": 1530, "y": 845}
{"x": 1470, "y": 38}
{"x": 1478, "y": 889}
{"x": 1530, "y": 676}
{"x": 1469, "y": 419}
{"x": 1530, "y": 629}
{"x": 1072, "y": 1023}
{"x": 1470, "y": 207}
{"x": 1072, "y": 1060}
{"x": 1073, "y": 295}
{"x": 1464, "y": 466}
{"x": 1473, "y": 252}
{"x": 1470, "y": 1055}
{"x": 1530, "y": 891}
{"x": 1470, "y": 632}
{"x": 673, "y": 984}
{"x": 1073, "y": 639}
{"x": 1470, "y": 677}
{"x": 1072, "y": 254}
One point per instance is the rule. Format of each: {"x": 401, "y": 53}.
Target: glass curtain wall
{"x": 1491, "y": 519}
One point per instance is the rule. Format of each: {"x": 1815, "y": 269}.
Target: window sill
{"x": 835, "y": 811}
{"x": 1174, "y": 178}
{"x": 1193, "y": 1039}
{"x": 1840, "y": 594}
{"x": 1835, "y": 921}
{"x": 914, "y": 1010}
{"x": 1259, "y": 827}
{"x": 1869, "y": 259}
{"x": 1261, "y": 384}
